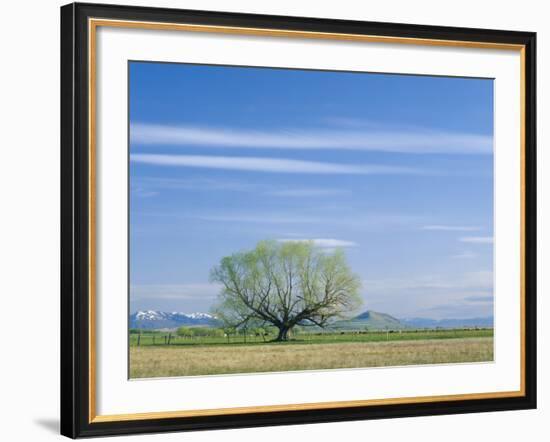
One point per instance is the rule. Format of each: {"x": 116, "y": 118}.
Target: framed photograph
{"x": 274, "y": 220}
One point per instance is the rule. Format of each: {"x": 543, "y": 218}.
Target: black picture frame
{"x": 75, "y": 221}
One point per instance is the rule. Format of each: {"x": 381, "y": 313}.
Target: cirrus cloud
{"x": 477, "y": 239}
{"x": 271, "y": 165}
{"x": 451, "y": 228}
{"x": 414, "y": 141}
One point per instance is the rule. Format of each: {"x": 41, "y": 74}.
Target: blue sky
{"x": 397, "y": 170}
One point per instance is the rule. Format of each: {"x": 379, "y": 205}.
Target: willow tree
{"x": 285, "y": 284}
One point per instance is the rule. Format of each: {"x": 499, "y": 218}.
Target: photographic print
{"x": 272, "y": 220}
{"x": 289, "y": 219}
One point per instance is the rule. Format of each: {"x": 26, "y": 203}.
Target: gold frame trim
{"x": 93, "y": 24}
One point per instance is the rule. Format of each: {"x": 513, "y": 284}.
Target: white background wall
{"x": 29, "y": 220}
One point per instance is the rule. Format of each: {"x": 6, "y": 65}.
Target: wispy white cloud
{"x": 366, "y": 222}
{"x": 426, "y": 295}
{"x": 142, "y": 192}
{"x": 477, "y": 239}
{"x": 272, "y": 165}
{"x": 419, "y": 141}
{"x": 481, "y": 278}
{"x": 458, "y": 310}
{"x": 467, "y": 307}
{"x": 464, "y": 255}
{"x": 489, "y": 298}
{"x": 323, "y": 242}
{"x": 260, "y": 218}
{"x": 194, "y": 183}
{"x": 151, "y": 186}
{"x": 173, "y": 297}
{"x": 477, "y": 281}
{"x": 174, "y": 291}
{"x": 450, "y": 228}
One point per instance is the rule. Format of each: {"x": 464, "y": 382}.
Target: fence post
{"x": 139, "y": 339}
{"x": 169, "y": 338}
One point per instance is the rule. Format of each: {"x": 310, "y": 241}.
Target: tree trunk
{"x": 283, "y": 333}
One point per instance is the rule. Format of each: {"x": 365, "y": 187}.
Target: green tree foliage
{"x": 186, "y": 332}
{"x": 285, "y": 285}
{"x": 190, "y": 332}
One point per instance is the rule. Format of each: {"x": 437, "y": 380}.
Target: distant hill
{"x": 448, "y": 323}
{"x": 368, "y": 320}
{"x": 153, "y": 319}
{"x": 372, "y": 321}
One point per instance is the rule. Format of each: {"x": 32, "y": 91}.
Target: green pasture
{"x": 218, "y": 337}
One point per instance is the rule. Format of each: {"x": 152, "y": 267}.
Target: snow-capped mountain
{"x": 156, "y": 319}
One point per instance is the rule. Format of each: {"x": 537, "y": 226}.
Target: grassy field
{"x": 328, "y": 351}
{"x": 159, "y": 338}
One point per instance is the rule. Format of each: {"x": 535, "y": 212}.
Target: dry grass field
{"x": 166, "y": 361}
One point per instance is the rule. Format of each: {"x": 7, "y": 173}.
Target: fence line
{"x": 168, "y": 338}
